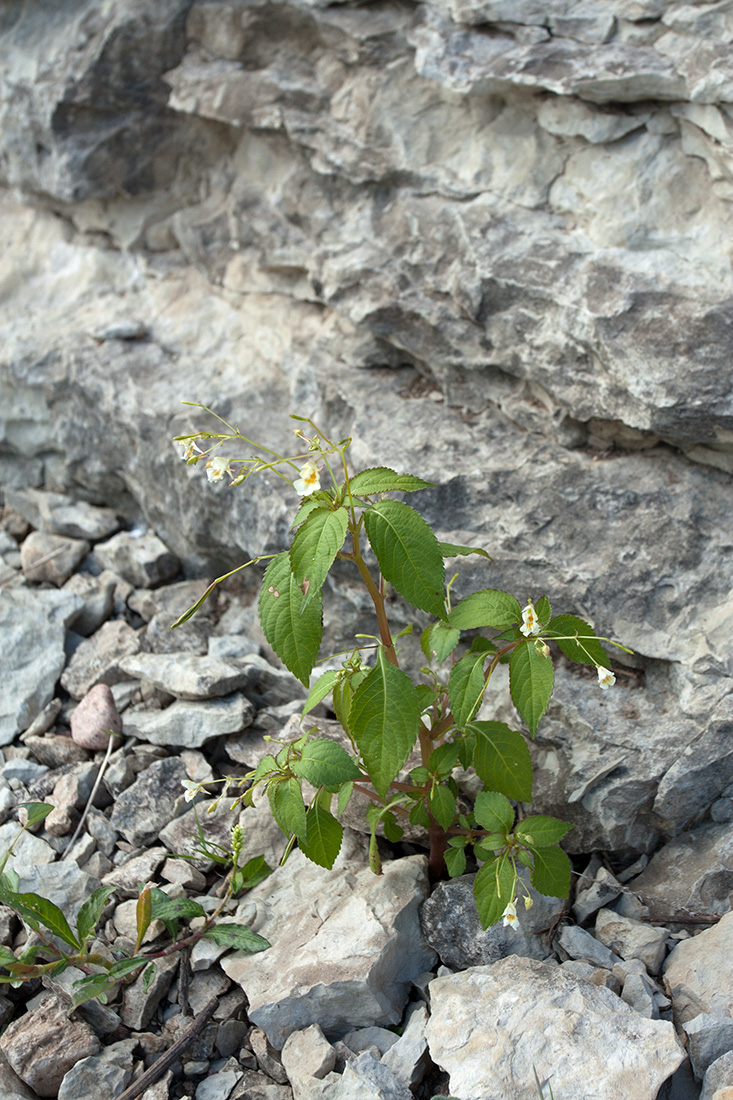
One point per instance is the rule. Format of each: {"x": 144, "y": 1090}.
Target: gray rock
{"x": 45, "y": 1044}
{"x": 580, "y": 944}
{"x": 11, "y": 1085}
{"x": 190, "y": 724}
{"x": 596, "y": 975}
{"x": 142, "y": 810}
{"x": 374, "y": 919}
{"x": 699, "y": 973}
{"x": 408, "y": 1058}
{"x": 604, "y": 889}
{"x": 97, "y": 659}
{"x": 719, "y": 1075}
{"x": 490, "y": 1025}
{"x": 139, "y": 1001}
{"x": 62, "y": 515}
{"x": 142, "y": 560}
{"x": 218, "y": 1086}
{"x": 631, "y": 939}
{"x": 257, "y": 1086}
{"x": 109, "y": 1072}
{"x": 51, "y": 559}
{"x": 370, "y": 1038}
{"x": 65, "y": 884}
{"x": 708, "y": 1038}
{"x": 32, "y": 625}
{"x": 692, "y": 875}
{"x": 98, "y": 596}
{"x": 307, "y": 1054}
{"x": 27, "y": 848}
{"x": 639, "y": 992}
{"x": 188, "y": 676}
{"x": 130, "y": 875}
{"x": 451, "y": 925}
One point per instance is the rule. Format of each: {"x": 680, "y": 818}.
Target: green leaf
{"x": 577, "y": 640}
{"x": 443, "y": 760}
{"x": 288, "y": 810}
{"x": 383, "y": 721}
{"x": 295, "y": 637}
{"x": 450, "y": 550}
{"x": 494, "y": 812}
{"x": 392, "y": 831}
{"x": 127, "y": 966}
{"x": 344, "y": 797}
{"x": 323, "y": 837}
{"x": 544, "y": 610}
{"x": 309, "y": 505}
{"x": 502, "y": 760}
{"x": 551, "y": 874}
{"x": 531, "y": 679}
{"x": 489, "y": 607}
{"x": 315, "y": 547}
{"x": 36, "y": 910}
{"x": 455, "y": 862}
{"x": 323, "y": 685}
{"x": 236, "y": 935}
{"x": 493, "y": 889}
{"x": 325, "y": 764}
{"x": 419, "y": 815}
{"x": 255, "y": 870}
{"x": 95, "y": 985}
{"x": 441, "y": 641}
{"x": 36, "y": 811}
{"x": 173, "y": 908}
{"x": 380, "y": 479}
{"x": 148, "y": 974}
{"x": 442, "y": 805}
{"x": 408, "y": 554}
{"x": 91, "y": 911}
{"x": 7, "y": 957}
{"x": 466, "y": 685}
{"x": 540, "y": 831}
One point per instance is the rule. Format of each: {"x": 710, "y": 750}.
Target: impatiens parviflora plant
{"x": 384, "y": 714}
{"x": 53, "y": 945}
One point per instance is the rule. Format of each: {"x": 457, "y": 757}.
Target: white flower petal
{"x": 606, "y": 678}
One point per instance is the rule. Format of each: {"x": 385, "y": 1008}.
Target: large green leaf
{"x": 551, "y": 874}
{"x": 323, "y": 837}
{"x": 323, "y": 685}
{"x": 167, "y": 909}
{"x": 442, "y": 805}
{"x": 314, "y": 548}
{"x": 488, "y": 607}
{"x": 286, "y": 799}
{"x": 494, "y": 812}
{"x": 577, "y": 640}
{"x": 91, "y": 911}
{"x": 380, "y": 479}
{"x": 408, "y": 554}
{"x": 542, "y": 831}
{"x": 493, "y": 889}
{"x": 441, "y": 641}
{"x": 466, "y": 685}
{"x": 325, "y": 764}
{"x": 451, "y": 550}
{"x": 531, "y": 679}
{"x": 295, "y": 637}
{"x": 36, "y": 910}
{"x": 383, "y": 721}
{"x": 36, "y": 811}
{"x": 502, "y": 760}
{"x": 238, "y": 936}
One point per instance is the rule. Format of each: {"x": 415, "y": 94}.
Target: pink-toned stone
{"x": 95, "y": 715}
{"x": 43, "y": 1045}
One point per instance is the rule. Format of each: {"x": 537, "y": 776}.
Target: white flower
{"x": 511, "y": 920}
{"x": 189, "y": 449}
{"x": 192, "y": 789}
{"x": 216, "y": 468}
{"x": 605, "y": 677}
{"x": 530, "y": 622}
{"x": 308, "y": 481}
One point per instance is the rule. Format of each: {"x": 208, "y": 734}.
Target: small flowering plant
{"x": 384, "y": 714}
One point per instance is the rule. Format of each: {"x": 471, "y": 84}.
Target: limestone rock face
{"x": 487, "y": 239}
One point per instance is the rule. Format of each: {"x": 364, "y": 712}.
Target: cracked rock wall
{"x": 490, "y": 239}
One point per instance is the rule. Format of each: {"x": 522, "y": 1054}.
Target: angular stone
{"x": 708, "y": 1038}
{"x": 189, "y": 725}
{"x": 490, "y": 1025}
{"x": 62, "y": 515}
{"x": 692, "y": 875}
{"x": 97, "y": 659}
{"x": 188, "y": 676}
{"x": 699, "y": 973}
{"x": 143, "y": 561}
{"x": 105, "y": 1074}
{"x": 408, "y": 1059}
{"x": 32, "y": 658}
{"x": 580, "y": 944}
{"x": 140, "y": 1001}
{"x": 45, "y": 1044}
{"x": 51, "y": 559}
{"x": 142, "y": 810}
{"x": 98, "y": 596}
{"x": 374, "y": 919}
{"x": 65, "y": 884}
{"x": 95, "y": 718}
{"x": 718, "y": 1076}
{"x": 451, "y": 925}
{"x": 11, "y": 1086}
{"x": 128, "y": 876}
{"x": 631, "y": 939}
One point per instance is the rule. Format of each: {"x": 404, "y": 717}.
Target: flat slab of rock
{"x": 699, "y": 972}
{"x": 490, "y": 1025}
{"x": 188, "y": 676}
{"x": 151, "y": 802}
{"x": 189, "y": 725}
{"x": 345, "y": 944}
{"x": 43, "y": 1045}
{"x": 32, "y": 626}
{"x": 97, "y": 659}
{"x": 690, "y": 875}
{"x": 143, "y": 561}
{"x": 51, "y": 559}
{"x": 60, "y": 515}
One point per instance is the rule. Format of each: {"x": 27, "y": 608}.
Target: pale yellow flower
{"x": 189, "y": 449}
{"x": 605, "y": 677}
{"x": 530, "y": 622}
{"x": 192, "y": 789}
{"x": 308, "y": 481}
{"x": 216, "y": 468}
{"x": 511, "y": 920}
